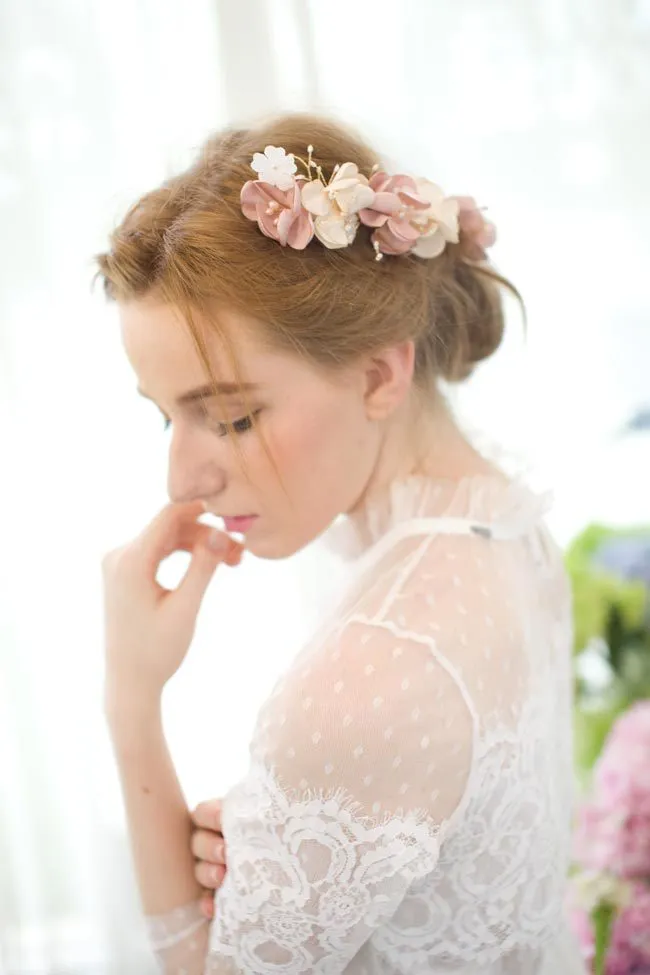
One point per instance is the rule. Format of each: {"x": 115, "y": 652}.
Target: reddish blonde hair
{"x": 189, "y": 244}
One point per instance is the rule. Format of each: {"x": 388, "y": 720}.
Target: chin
{"x": 272, "y": 552}
{"x": 275, "y": 547}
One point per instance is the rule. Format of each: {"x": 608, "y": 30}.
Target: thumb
{"x": 200, "y": 571}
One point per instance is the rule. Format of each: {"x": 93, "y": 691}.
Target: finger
{"x": 207, "y": 815}
{"x": 209, "y": 846}
{"x": 199, "y": 575}
{"x": 209, "y": 875}
{"x": 207, "y": 906}
{"x": 192, "y": 535}
{"x": 205, "y": 559}
{"x": 235, "y": 553}
{"x": 160, "y": 537}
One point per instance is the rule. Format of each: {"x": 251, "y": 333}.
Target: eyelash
{"x": 243, "y": 425}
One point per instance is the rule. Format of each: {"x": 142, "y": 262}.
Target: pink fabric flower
{"x": 279, "y": 213}
{"x": 476, "y": 233}
{"x": 410, "y": 215}
{"x": 629, "y": 949}
{"x": 395, "y": 202}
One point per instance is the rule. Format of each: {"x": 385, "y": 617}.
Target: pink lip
{"x": 239, "y": 523}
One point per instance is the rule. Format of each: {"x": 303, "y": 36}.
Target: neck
{"x": 424, "y": 442}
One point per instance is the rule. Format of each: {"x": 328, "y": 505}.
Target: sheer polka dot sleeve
{"x": 341, "y": 808}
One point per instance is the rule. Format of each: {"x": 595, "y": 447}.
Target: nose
{"x": 194, "y": 469}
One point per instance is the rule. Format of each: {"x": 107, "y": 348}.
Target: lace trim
{"x": 308, "y": 801}
{"x": 161, "y": 929}
{"x": 321, "y": 906}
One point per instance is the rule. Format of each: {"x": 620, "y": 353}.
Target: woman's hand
{"x": 149, "y": 629}
{"x": 209, "y": 849}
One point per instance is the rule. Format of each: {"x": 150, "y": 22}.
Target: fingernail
{"x": 216, "y": 875}
{"x": 218, "y": 851}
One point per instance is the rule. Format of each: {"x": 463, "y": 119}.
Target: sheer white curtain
{"x": 98, "y": 102}
{"x": 540, "y": 110}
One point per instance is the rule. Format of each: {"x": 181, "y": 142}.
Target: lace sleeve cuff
{"x": 167, "y": 930}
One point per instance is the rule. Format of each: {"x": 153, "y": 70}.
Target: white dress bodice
{"x": 407, "y": 807}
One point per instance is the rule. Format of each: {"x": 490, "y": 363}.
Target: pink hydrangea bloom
{"x": 628, "y": 747}
{"x": 279, "y": 213}
{"x": 583, "y": 931}
{"x": 613, "y": 828}
{"x": 629, "y": 949}
{"x": 607, "y": 840}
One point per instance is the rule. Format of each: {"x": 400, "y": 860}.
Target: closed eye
{"x": 243, "y": 425}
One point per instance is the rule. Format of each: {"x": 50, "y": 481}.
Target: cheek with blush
{"x": 305, "y": 446}
{"x": 320, "y": 450}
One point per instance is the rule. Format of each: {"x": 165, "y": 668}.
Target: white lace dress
{"x": 408, "y": 802}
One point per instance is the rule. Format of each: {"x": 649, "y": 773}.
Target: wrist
{"x": 130, "y": 708}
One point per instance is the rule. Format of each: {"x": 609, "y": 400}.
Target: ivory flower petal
{"x": 275, "y": 167}
{"x": 315, "y": 198}
{"x": 442, "y": 213}
{"x": 350, "y": 189}
{"x": 429, "y": 245}
{"x": 347, "y": 192}
{"x": 336, "y": 230}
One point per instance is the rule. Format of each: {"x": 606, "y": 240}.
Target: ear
{"x": 388, "y": 379}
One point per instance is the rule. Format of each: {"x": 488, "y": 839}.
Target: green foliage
{"x": 612, "y": 641}
{"x": 605, "y": 606}
{"x": 602, "y": 918}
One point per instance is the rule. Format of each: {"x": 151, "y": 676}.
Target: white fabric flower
{"x": 335, "y": 205}
{"x": 439, "y": 224}
{"x": 348, "y": 190}
{"x": 336, "y": 230}
{"x": 275, "y": 167}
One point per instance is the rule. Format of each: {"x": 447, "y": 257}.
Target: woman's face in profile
{"x": 314, "y": 450}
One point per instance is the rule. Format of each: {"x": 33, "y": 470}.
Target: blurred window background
{"x": 541, "y": 110}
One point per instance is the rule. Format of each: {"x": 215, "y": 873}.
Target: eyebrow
{"x": 207, "y": 391}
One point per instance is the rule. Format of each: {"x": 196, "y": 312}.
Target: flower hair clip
{"x": 408, "y": 215}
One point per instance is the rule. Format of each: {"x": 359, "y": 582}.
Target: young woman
{"x": 293, "y": 309}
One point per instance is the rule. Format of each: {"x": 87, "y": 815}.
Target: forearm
{"x": 158, "y": 818}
